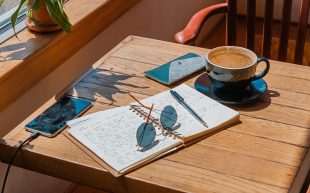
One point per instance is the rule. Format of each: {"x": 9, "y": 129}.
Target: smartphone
{"x": 53, "y": 120}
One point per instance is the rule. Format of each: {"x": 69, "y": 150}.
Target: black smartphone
{"x": 53, "y": 120}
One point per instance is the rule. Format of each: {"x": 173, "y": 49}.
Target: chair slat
{"x": 231, "y": 22}
{"x": 251, "y": 9}
{"x": 267, "y": 33}
{"x": 302, "y": 30}
{"x": 285, "y": 29}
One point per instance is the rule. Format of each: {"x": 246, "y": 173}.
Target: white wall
{"x": 159, "y": 19}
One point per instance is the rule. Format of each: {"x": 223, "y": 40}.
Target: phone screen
{"x": 52, "y": 120}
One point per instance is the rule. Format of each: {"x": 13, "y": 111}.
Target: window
{"x": 7, "y": 5}
{"x": 6, "y": 10}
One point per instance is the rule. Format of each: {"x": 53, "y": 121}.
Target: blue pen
{"x": 180, "y": 99}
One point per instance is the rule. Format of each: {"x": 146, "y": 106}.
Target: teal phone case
{"x": 177, "y": 69}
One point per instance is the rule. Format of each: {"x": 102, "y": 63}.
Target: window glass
{"x": 7, "y": 5}
{"x": 6, "y": 10}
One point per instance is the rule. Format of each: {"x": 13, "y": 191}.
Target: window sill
{"x": 27, "y": 60}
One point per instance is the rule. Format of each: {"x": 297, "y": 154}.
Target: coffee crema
{"x": 230, "y": 59}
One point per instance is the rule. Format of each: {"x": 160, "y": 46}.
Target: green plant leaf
{"x": 35, "y": 6}
{"x": 56, "y": 11}
{"x": 30, "y": 16}
{"x": 22, "y": 4}
{"x": 1, "y": 1}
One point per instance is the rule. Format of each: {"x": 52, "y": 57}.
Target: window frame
{"x": 6, "y": 30}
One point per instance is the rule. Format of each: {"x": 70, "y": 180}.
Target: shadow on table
{"x": 105, "y": 83}
{"x": 18, "y": 50}
{"x": 260, "y": 104}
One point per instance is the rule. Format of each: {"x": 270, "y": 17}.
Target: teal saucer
{"x": 255, "y": 90}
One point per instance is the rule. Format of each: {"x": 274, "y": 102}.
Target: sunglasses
{"x": 146, "y": 132}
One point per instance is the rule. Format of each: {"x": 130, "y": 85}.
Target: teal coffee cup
{"x": 233, "y": 68}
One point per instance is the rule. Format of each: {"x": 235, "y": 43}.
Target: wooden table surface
{"x": 266, "y": 152}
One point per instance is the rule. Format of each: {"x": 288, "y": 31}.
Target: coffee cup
{"x": 233, "y": 67}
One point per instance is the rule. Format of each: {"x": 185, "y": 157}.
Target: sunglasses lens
{"x": 168, "y": 117}
{"x": 145, "y": 134}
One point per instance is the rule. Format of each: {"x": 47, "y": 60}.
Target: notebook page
{"x": 112, "y": 137}
{"x": 212, "y": 112}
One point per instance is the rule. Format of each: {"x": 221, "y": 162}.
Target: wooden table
{"x": 267, "y": 152}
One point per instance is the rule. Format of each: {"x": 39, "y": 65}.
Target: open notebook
{"x": 110, "y": 136}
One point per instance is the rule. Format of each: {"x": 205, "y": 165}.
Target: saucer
{"x": 256, "y": 89}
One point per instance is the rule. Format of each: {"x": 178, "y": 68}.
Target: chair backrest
{"x": 267, "y": 29}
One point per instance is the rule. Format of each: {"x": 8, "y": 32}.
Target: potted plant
{"x": 43, "y": 15}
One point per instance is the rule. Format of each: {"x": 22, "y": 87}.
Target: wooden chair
{"x": 193, "y": 28}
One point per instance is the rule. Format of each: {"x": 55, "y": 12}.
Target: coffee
{"x": 230, "y": 59}
{"x": 233, "y": 67}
